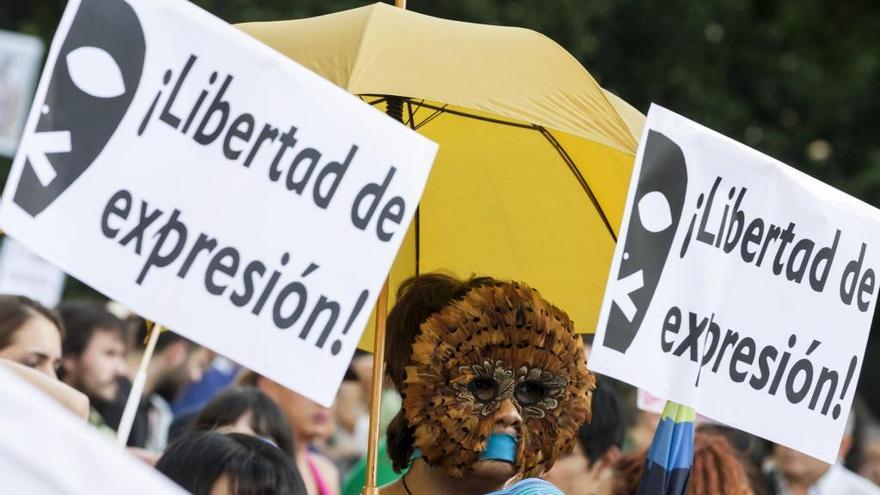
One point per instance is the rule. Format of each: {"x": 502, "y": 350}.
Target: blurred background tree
{"x": 796, "y": 80}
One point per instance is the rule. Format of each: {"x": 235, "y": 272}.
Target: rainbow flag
{"x": 668, "y": 465}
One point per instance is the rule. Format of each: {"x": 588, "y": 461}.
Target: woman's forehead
{"x": 39, "y": 333}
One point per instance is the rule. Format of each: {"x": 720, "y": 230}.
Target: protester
{"x": 349, "y": 442}
{"x": 30, "y": 334}
{"x": 752, "y": 450}
{"x": 869, "y": 466}
{"x": 356, "y": 477}
{"x": 530, "y": 486}
{"x": 30, "y": 347}
{"x": 220, "y": 374}
{"x": 361, "y": 374}
{"x": 134, "y": 343}
{"x": 213, "y": 463}
{"x": 70, "y": 398}
{"x": 247, "y": 410}
{"x": 93, "y": 353}
{"x": 359, "y": 381}
{"x": 591, "y": 465}
{"x": 310, "y": 423}
{"x": 717, "y": 468}
{"x": 794, "y": 473}
{"x": 176, "y": 363}
{"x": 517, "y": 390}
{"x": 640, "y": 434}
{"x": 627, "y": 474}
{"x": 800, "y": 474}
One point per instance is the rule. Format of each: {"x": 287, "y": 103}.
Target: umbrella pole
{"x": 137, "y": 388}
{"x": 376, "y": 392}
{"x": 395, "y": 110}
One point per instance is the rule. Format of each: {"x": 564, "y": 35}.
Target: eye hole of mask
{"x": 530, "y": 392}
{"x": 485, "y": 389}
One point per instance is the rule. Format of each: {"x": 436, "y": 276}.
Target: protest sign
{"x": 648, "y": 402}
{"x": 45, "y": 449}
{"x": 740, "y": 287}
{"x": 20, "y": 56}
{"x": 211, "y": 184}
{"x": 24, "y": 273}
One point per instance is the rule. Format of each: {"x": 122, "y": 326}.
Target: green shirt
{"x": 357, "y": 477}
{"x": 96, "y": 420}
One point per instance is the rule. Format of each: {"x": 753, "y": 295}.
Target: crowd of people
{"x": 488, "y": 392}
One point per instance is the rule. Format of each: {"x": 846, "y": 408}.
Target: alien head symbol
{"x": 94, "y": 81}
{"x": 659, "y": 200}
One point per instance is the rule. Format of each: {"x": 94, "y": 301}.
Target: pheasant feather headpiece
{"x": 496, "y": 343}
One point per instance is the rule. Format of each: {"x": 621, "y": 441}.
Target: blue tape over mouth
{"x": 500, "y": 447}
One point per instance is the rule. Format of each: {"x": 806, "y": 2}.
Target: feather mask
{"x": 497, "y": 343}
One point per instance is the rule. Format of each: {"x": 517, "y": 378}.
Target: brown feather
{"x": 511, "y": 325}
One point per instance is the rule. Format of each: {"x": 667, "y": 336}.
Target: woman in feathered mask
{"x": 493, "y": 380}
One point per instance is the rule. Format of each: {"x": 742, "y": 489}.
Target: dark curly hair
{"x": 417, "y": 299}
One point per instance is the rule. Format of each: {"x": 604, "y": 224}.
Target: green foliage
{"x": 796, "y": 80}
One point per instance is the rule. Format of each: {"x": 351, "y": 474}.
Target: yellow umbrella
{"x": 534, "y": 162}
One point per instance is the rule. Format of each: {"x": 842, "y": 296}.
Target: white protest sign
{"x": 20, "y": 56}
{"x": 46, "y": 449}
{"x": 740, "y": 287}
{"x": 648, "y": 402}
{"x": 23, "y": 272}
{"x": 209, "y": 183}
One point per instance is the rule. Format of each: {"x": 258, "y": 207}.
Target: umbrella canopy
{"x": 535, "y": 158}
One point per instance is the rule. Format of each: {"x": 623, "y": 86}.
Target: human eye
{"x": 530, "y": 392}
{"x": 484, "y": 388}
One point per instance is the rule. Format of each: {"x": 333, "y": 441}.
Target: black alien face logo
{"x": 95, "y": 79}
{"x": 659, "y": 200}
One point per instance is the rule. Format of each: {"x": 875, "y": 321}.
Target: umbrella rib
{"x": 445, "y": 109}
{"x": 544, "y": 132}
{"x": 374, "y": 102}
{"x": 412, "y": 116}
{"x": 429, "y": 118}
{"x": 416, "y": 220}
{"x": 417, "y": 106}
{"x": 580, "y": 178}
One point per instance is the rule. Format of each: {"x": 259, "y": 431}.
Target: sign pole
{"x": 370, "y": 487}
{"x": 137, "y": 388}
{"x": 376, "y": 391}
